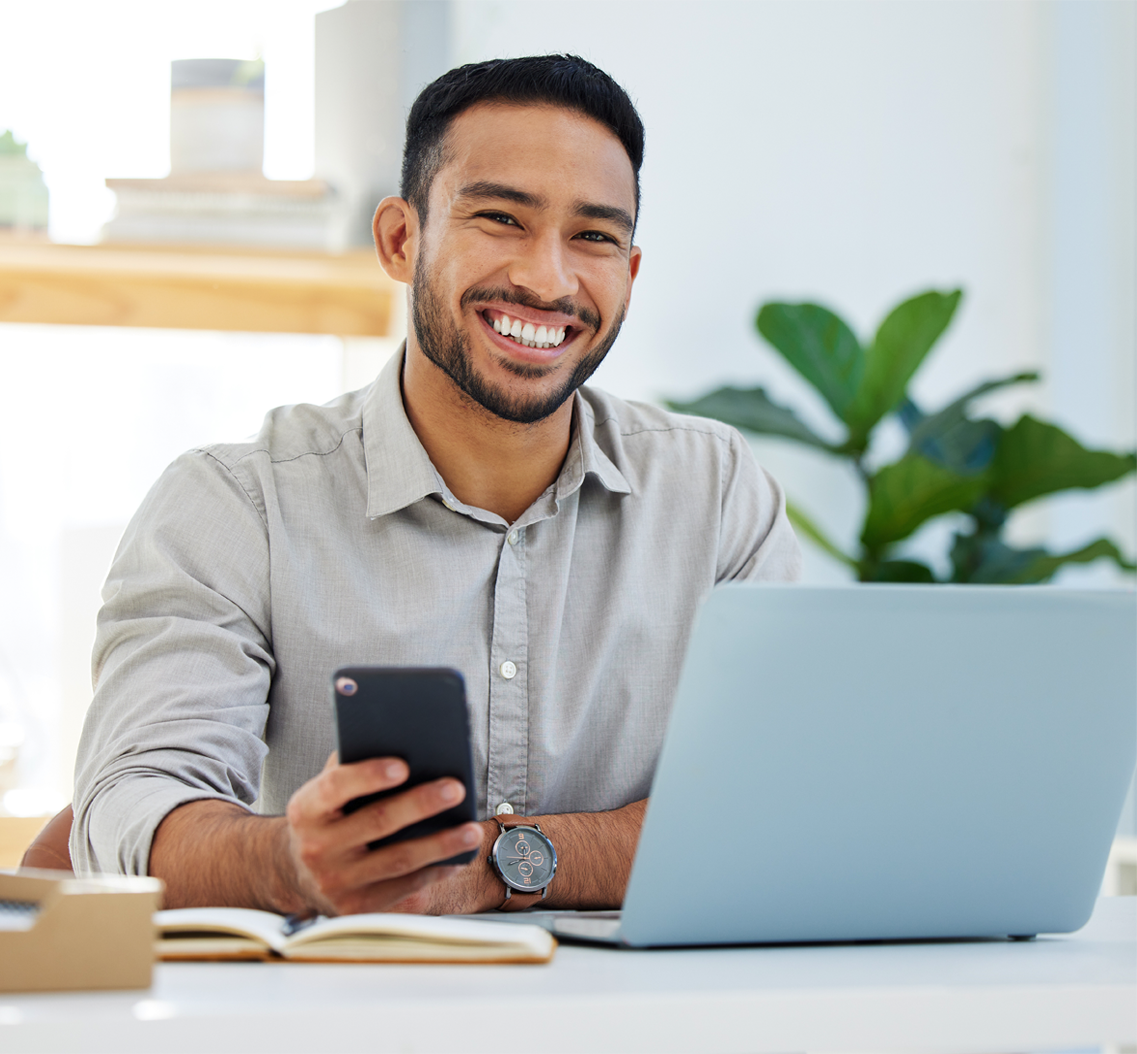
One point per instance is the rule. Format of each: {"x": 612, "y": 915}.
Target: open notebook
{"x": 242, "y": 933}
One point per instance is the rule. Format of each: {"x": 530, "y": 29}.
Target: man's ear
{"x": 396, "y": 230}
{"x": 633, "y": 269}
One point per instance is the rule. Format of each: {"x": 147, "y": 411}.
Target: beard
{"x": 449, "y": 349}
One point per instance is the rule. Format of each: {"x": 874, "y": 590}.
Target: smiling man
{"x": 476, "y": 507}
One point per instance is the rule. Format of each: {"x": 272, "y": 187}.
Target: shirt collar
{"x": 399, "y": 471}
{"x": 586, "y": 457}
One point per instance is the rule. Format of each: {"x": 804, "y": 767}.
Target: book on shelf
{"x": 186, "y": 934}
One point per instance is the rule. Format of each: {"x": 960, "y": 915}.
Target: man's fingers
{"x": 341, "y": 842}
{"x": 385, "y": 817}
{"x": 395, "y": 895}
{"x": 322, "y": 798}
{"x": 402, "y": 859}
{"x": 330, "y": 848}
{"x": 343, "y": 783}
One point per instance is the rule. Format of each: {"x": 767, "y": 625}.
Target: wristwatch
{"x": 524, "y": 859}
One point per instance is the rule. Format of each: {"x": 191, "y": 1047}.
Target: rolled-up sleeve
{"x": 182, "y": 665}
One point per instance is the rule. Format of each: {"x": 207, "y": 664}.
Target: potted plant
{"x": 954, "y": 462}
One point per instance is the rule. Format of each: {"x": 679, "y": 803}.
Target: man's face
{"x": 525, "y": 264}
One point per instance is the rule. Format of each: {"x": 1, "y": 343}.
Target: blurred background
{"x": 851, "y": 153}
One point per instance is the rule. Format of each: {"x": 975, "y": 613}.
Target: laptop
{"x": 884, "y": 763}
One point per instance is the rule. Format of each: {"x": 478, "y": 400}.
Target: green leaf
{"x": 754, "y": 410}
{"x": 929, "y": 425}
{"x": 899, "y": 571}
{"x": 986, "y": 558}
{"x": 817, "y": 344}
{"x": 989, "y": 560}
{"x": 1044, "y": 567}
{"x": 804, "y": 525}
{"x": 965, "y": 447}
{"x": 1036, "y": 458}
{"x": 905, "y": 337}
{"x": 904, "y": 495}
{"x": 949, "y": 438}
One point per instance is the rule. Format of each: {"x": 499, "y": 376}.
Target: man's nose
{"x": 544, "y": 268}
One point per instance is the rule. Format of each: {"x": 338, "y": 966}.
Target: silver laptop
{"x": 885, "y": 762}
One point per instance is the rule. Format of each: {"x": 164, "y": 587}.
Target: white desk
{"x": 1055, "y": 993}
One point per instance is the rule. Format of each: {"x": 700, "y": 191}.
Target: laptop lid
{"x": 885, "y": 762}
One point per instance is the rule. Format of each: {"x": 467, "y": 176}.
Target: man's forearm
{"x": 214, "y": 852}
{"x": 594, "y": 860}
{"x": 594, "y": 856}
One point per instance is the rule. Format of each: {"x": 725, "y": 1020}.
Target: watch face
{"x": 525, "y": 859}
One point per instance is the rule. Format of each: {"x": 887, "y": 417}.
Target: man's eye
{"x": 498, "y": 217}
{"x": 597, "y": 236}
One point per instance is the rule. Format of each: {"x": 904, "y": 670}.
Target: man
{"x": 475, "y": 508}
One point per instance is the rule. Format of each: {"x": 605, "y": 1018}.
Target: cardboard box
{"x": 62, "y": 932}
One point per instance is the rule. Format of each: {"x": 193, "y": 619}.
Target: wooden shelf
{"x": 193, "y": 288}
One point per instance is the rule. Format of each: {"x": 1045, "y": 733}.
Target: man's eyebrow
{"x": 502, "y": 192}
{"x": 488, "y": 190}
{"x": 615, "y": 215}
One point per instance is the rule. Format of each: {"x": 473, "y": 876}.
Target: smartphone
{"x": 415, "y": 713}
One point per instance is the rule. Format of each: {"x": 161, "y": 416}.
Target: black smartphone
{"x": 415, "y": 713}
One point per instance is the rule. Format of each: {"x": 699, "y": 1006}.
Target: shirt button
{"x": 508, "y": 670}
{"x": 513, "y": 536}
{"x": 449, "y": 504}
{"x": 504, "y": 809}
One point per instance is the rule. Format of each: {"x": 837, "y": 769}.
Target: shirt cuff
{"x": 113, "y": 833}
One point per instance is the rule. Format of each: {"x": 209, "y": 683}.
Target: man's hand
{"x": 335, "y": 871}
{"x": 314, "y": 858}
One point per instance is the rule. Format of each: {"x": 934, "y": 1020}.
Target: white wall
{"x": 1091, "y": 222}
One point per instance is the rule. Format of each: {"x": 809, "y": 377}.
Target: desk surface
{"x": 1077, "y": 991}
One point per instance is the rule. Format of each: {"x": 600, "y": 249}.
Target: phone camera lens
{"x": 346, "y": 686}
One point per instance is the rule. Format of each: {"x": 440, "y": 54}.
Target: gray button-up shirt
{"x": 253, "y": 570}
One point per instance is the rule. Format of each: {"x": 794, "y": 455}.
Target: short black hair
{"x": 566, "y": 81}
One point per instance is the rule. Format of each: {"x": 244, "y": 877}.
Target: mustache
{"x": 513, "y": 296}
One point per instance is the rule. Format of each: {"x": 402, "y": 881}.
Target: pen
{"x": 295, "y": 923}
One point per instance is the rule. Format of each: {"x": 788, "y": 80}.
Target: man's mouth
{"x": 527, "y": 334}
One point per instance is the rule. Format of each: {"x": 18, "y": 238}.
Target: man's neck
{"x": 487, "y": 462}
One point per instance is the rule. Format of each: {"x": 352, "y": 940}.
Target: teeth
{"x": 529, "y": 335}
